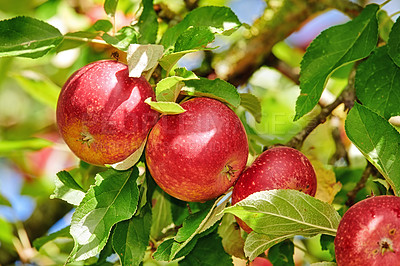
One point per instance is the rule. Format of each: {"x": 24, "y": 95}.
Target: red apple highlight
{"x": 101, "y": 113}
{"x": 276, "y": 168}
{"x": 369, "y": 233}
{"x": 197, "y": 155}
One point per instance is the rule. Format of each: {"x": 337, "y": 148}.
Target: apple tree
{"x": 199, "y": 132}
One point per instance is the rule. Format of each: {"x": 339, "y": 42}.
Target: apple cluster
{"x": 194, "y": 156}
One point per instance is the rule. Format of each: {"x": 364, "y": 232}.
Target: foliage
{"x": 121, "y": 216}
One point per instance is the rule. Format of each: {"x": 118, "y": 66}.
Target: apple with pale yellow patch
{"x": 197, "y": 155}
{"x": 101, "y": 113}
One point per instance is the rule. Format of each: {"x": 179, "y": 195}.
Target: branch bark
{"x": 45, "y": 215}
{"x": 277, "y": 23}
{"x": 368, "y": 171}
{"x": 347, "y": 97}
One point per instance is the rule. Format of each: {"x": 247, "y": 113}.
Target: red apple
{"x": 276, "y": 168}
{"x": 101, "y": 112}
{"x": 369, "y": 233}
{"x": 259, "y": 261}
{"x": 197, "y": 155}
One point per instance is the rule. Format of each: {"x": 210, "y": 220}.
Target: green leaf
{"x": 194, "y": 38}
{"x": 217, "y": 89}
{"x": 164, "y": 250}
{"x": 168, "y": 108}
{"x": 194, "y": 226}
{"x": 217, "y": 19}
{"x": 4, "y": 201}
{"x": 67, "y": 179}
{"x": 276, "y": 215}
{"x": 208, "y": 251}
{"x": 281, "y": 254}
{"x": 63, "y": 233}
{"x": 75, "y": 39}
{"x": 131, "y": 237}
{"x": 168, "y": 61}
{"x": 385, "y": 24}
{"x": 162, "y": 217}
{"x": 378, "y": 140}
{"x": 327, "y": 243}
{"x": 122, "y": 39}
{"x": 394, "y": 42}
{"x": 142, "y": 58}
{"x": 185, "y": 74}
{"x": 39, "y": 87}
{"x": 252, "y": 104}
{"x": 8, "y": 146}
{"x": 103, "y": 25}
{"x": 112, "y": 199}
{"x": 147, "y": 24}
{"x": 168, "y": 89}
{"x": 110, "y": 6}
{"x": 6, "y": 232}
{"x": 104, "y": 254}
{"x": 333, "y": 48}
{"x": 67, "y": 189}
{"x": 377, "y": 83}
{"x": 232, "y": 240}
{"x": 28, "y": 37}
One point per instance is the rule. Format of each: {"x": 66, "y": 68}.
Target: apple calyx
{"x": 385, "y": 245}
{"x": 86, "y": 138}
{"x": 229, "y": 171}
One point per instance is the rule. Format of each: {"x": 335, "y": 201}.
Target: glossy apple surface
{"x": 197, "y": 155}
{"x": 276, "y": 168}
{"x": 101, "y": 113}
{"x": 369, "y": 233}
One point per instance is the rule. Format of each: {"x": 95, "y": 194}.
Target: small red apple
{"x": 369, "y": 233}
{"x": 197, "y": 155}
{"x": 276, "y": 168}
{"x": 259, "y": 261}
{"x": 101, "y": 113}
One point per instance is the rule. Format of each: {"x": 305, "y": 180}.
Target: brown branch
{"x": 347, "y": 97}
{"x": 45, "y": 215}
{"x": 283, "y": 68}
{"x": 246, "y": 57}
{"x": 368, "y": 171}
{"x": 340, "y": 148}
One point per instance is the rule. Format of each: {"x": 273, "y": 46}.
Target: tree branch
{"x": 280, "y": 19}
{"x": 369, "y": 170}
{"x": 347, "y": 97}
{"x": 45, "y": 215}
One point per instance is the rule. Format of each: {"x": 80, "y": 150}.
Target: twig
{"x": 346, "y": 97}
{"x": 283, "y": 68}
{"x": 369, "y": 170}
{"x": 243, "y": 59}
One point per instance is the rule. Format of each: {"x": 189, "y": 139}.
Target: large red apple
{"x": 197, "y": 155}
{"x": 369, "y": 233}
{"x": 276, "y": 168}
{"x": 101, "y": 112}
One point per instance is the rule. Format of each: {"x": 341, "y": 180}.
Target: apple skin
{"x": 197, "y": 155}
{"x": 101, "y": 114}
{"x": 366, "y": 229}
{"x": 276, "y": 168}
